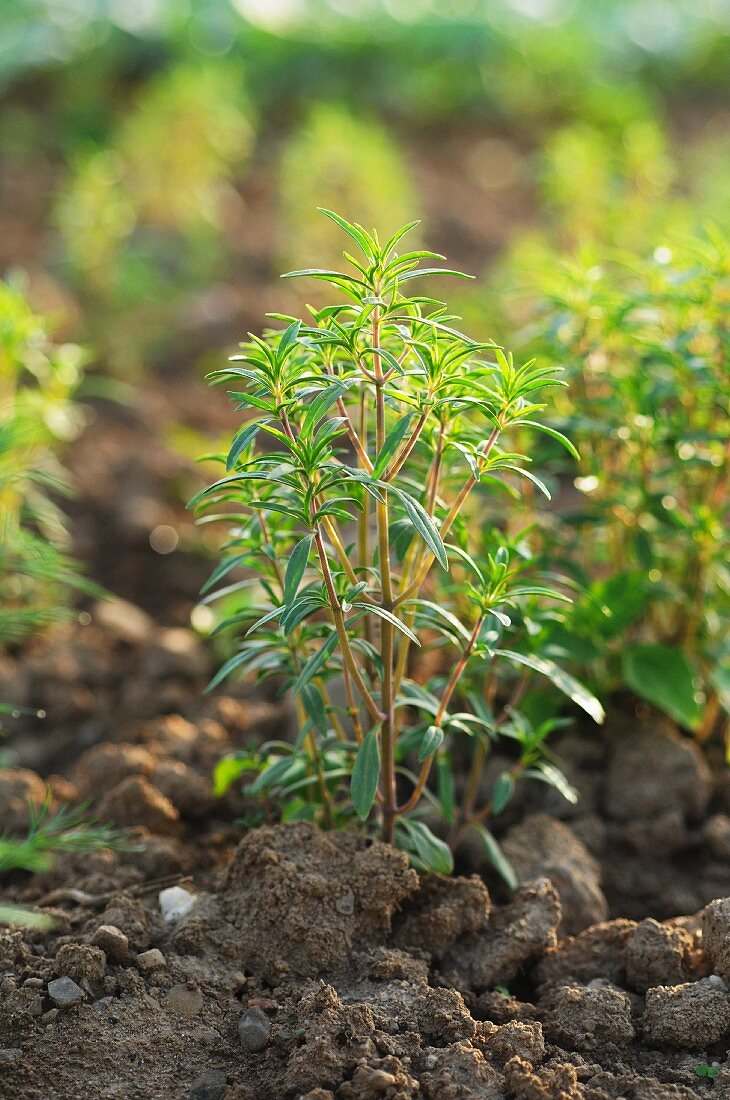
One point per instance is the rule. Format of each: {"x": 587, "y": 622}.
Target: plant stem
{"x": 339, "y": 621}
{"x": 427, "y": 562}
{"x": 387, "y": 698}
{"x": 456, "y": 674}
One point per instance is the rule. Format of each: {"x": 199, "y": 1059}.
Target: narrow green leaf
{"x": 389, "y": 617}
{"x": 497, "y": 858}
{"x": 424, "y": 525}
{"x": 446, "y": 787}
{"x": 366, "y": 774}
{"x": 391, "y": 443}
{"x": 432, "y": 741}
{"x": 357, "y": 233}
{"x": 563, "y": 681}
{"x": 554, "y": 434}
{"x": 504, "y": 788}
{"x": 288, "y": 339}
{"x": 315, "y": 663}
{"x": 434, "y": 854}
{"x": 229, "y": 769}
{"x": 241, "y": 441}
{"x": 314, "y": 706}
{"x": 295, "y": 567}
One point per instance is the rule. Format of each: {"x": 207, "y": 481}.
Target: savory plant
{"x": 369, "y": 431}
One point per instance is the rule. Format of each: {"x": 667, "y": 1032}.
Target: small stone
{"x": 209, "y": 1086}
{"x": 151, "y": 960}
{"x": 345, "y": 903}
{"x": 184, "y": 1001}
{"x": 10, "y": 1055}
{"x": 33, "y": 983}
{"x": 8, "y": 985}
{"x": 65, "y": 993}
{"x": 50, "y": 1017}
{"x": 112, "y": 942}
{"x": 175, "y": 903}
{"x": 253, "y": 1030}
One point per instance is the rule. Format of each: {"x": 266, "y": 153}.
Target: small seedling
{"x": 354, "y": 493}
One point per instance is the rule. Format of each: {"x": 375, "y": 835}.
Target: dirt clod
{"x": 135, "y": 802}
{"x": 651, "y": 769}
{"x": 517, "y": 934}
{"x": 287, "y": 909}
{"x": 692, "y": 1015}
{"x": 588, "y": 1017}
{"x": 716, "y": 935}
{"x": 82, "y": 963}
{"x": 517, "y": 1039}
{"x": 658, "y": 955}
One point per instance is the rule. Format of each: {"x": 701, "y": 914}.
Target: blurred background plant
{"x": 37, "y": 414}
{"x": 644, "y": 338}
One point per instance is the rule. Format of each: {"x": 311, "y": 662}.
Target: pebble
{"x": 8, "y": 985}
{"x": 209, "y": 1086}
{"x": 10, "y": 1055}
{"x": 112, "y": 941}
{"x": 253, "y": 1030}
{"x": 33, "y": 983}
{"x": 175, "y": 903}
{"x": 50, "y": 1017}
{"x": 64, "y": 993}
{"x": 184, "y": 1001}
{"x": 151, "y": 960}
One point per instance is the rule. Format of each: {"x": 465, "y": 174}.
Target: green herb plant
{"x": 37, "y": 576}
{"x": 37, "y": 414}
{"x": 368, "y": 430}
{"x": 644, "y": 337}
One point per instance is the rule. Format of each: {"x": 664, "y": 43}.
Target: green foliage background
{"x": 161, "y": 162}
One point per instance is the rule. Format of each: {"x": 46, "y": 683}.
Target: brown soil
{"x": 320, "y": 966}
